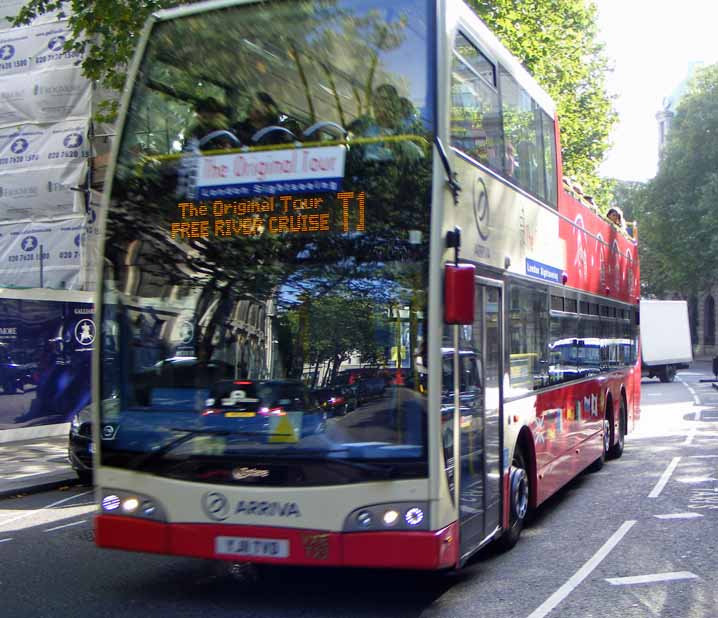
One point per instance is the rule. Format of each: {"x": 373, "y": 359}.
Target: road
{"x": 634, "y": 540}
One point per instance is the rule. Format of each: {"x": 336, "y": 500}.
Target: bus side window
{"x": 475, "y": 119}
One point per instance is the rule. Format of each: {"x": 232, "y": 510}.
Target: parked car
{"x": 80, "y": 447}
{"x": 370, "y": 388}
{"x": 257, "y": 405}
{"x": 337, "y": 400}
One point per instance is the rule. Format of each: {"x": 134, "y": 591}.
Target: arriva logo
{"x": 216, "y": 506}
{"x": 271, "y": 509}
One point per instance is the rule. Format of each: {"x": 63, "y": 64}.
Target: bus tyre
{"x": 667, "y": 373}
{"x": 606, "y": 441}
{"x": 519, "y": 494}
{"x": 616, "y": 449}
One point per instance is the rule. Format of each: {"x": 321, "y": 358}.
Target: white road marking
{"x": 5, "y": 540}
{"x": 651, "y": 579}
{"x": 583, "y": 572}
{"x": 696, "y": 399}
{"x": 49, "y": 506}
{"x": 703, "y": 456}
{"x": 679, "y": 516}
{"x": 656, "y": 491}
{"x": 690, "y": 436}
{"x": 74, "y": 523}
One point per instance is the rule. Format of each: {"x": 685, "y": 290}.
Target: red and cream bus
{"x": 307, "y": 191}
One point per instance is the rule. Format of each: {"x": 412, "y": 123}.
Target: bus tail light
{"x": 459, "y": 293}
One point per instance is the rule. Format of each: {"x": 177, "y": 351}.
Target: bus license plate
{"x": 246, "y": 546}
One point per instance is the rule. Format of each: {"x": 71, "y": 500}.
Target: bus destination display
{"x": 282, "y": 214}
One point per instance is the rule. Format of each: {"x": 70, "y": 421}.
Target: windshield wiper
{"x": 145, "y": 458}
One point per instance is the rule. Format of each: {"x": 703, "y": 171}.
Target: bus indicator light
{"x": 364, "y": 519}
{"x": 148, "y": 508}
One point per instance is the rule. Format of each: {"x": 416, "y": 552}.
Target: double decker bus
{"x": 304, "y": 192}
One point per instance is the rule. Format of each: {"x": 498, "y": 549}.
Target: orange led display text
{"x": 282, "y": 214}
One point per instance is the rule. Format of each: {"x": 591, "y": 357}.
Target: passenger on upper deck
{"x": 615, "y": 216}
{"x": 211, "y": 128}
{"x": 264, "y": 113}
{"x": 392, "y": 115}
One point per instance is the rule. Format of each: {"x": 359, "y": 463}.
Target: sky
{"x": 650, "y": 44}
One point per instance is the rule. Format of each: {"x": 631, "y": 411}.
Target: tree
{"x": 557, "y": 43}
{"x": 677, "y": 220}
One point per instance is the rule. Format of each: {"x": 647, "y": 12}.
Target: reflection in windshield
{"x": 265, "y": 288}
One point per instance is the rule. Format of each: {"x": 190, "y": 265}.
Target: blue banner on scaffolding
{"x": 45, "y": 360}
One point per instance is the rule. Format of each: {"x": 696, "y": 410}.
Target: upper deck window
{"x": 496, "y": 122}
{"x": 475, "y": 111}
{"x": 524, "y": 158}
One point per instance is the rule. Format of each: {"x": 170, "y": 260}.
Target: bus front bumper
{"x": 428, "y": 550}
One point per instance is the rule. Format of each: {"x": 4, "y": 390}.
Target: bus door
{"x": 479, "y": 366}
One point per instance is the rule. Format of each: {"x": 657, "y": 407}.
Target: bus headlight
{"x": 129, "y": 505}
{"x": 118, "y": 502}
{"x": 390, "y": 517}
{"x": 393, "y": 516}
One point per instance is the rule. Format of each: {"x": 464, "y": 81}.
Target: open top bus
{"x": 309, "y": 199}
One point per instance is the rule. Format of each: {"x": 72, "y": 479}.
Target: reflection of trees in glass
{"x": 328, "y": 303}
{"x": 319, "y": 62}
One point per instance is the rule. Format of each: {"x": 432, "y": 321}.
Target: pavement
{"x": 34, "y": 465}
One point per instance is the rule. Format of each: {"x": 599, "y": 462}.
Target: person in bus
{"x": 392, "y": 115}
{"x": 615, "y": 216}
{"x": 211, "y": 116}
{"x": 264, "y": 112}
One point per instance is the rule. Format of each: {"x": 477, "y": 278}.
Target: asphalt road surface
{"x": 636, "y": 539}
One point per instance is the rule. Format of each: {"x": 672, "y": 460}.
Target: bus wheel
{"x": 519, "y": 493}
{"x": 617, "y": 449}
{"x": 598, "y": 464}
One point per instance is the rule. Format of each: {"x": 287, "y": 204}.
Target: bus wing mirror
{"x": 459, "y": 293}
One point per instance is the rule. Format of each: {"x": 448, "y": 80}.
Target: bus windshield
{"x": 267, "y": 245}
